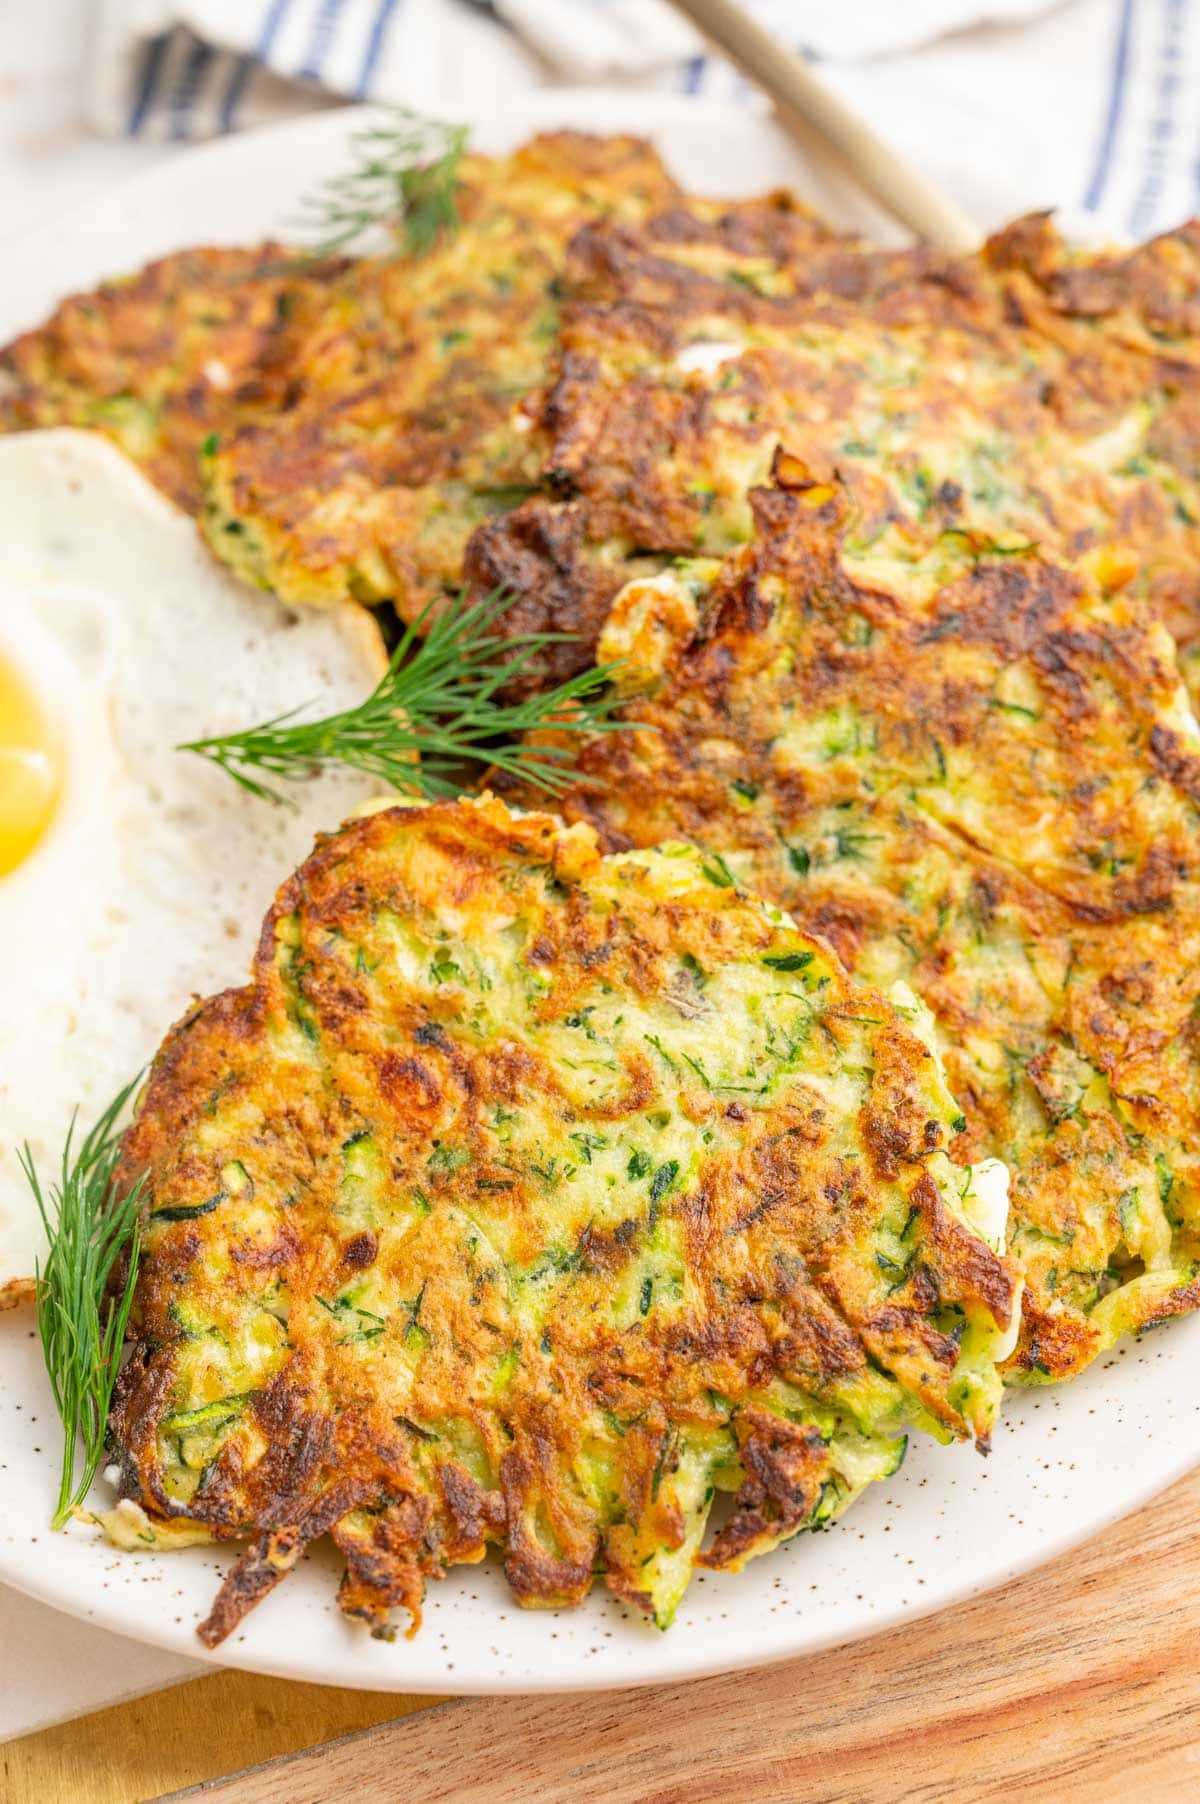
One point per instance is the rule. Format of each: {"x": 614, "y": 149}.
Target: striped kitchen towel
{"x": 1087, "y": 105}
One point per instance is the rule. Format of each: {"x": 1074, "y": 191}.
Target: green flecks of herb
{"x": 502, "y": 500}
{"x": 788, "y": 961}
{"x": 1127, "y": 1208}
{"x": 660, "y": 1464}
{"x": 958, "y": 1124}
{"x": 188, "y": 1211}
{"x": 210, "y": 445}
{"x": 663, "y": 1179}
{"x": 1013, "y": 708}
{"x": 849, "y": 842}
{"x": 692, "y": 964}
{"x": 415, "y": 1428}
{"x": 450, "y": 339}
{"x": 639, "y": 1164}
{"x": 445, "y": 970}
{"x": 747, "y": 790}
{"x": 81, "y": 1314}
{"x": 750, "y": 280}
{"x": 413, "y": 1312}
{"x": 799, "y": 860}
{"x": 647, "y": 1294}
{"x": 939, "y": 759}
{"x": 1166, "y": 1184}
{"x": 367, "y": 1325}
{"x": 586, "y": 1144}
{"x": 655, "y": 1041}
{"x": 447, "y": 1158}
{"x": 718, "y": 872}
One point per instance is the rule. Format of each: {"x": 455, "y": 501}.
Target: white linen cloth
{"x": 1088, "y": 104}
{"x": 1008, "y": 104}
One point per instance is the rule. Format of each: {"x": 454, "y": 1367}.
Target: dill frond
{"x": 404, "y": 176}
{"x": 438, "y": 705}
{"x": 81, "y": 1324}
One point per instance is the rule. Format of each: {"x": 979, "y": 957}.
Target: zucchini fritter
{"x": 412, "y": 419}
{"x": 162, "y": 360}
{"x": 342, "y": 426}
{"x": 977, "y": 773}
{"x": 1029, "y": 393}
{"x": 529, "y": 1197}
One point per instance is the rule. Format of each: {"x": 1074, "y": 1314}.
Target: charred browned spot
{"x": 1179, "y": 766}
{"x": 387, "y": 1555}
{"x": 1053, "y": 1345}
{"x": 536, "y": 553}
{"x": 407, "y": 1085}
{"x": 476, "y": 1516}
{"x": 549, "y": 1558}
{"x": 784, "y": 1464}
{"x": 1150, "y": 888}
{"x": 267, "y": 1256}
{"x": 141, "y": 1393}
{"x": 274, "y": 1553}
{"x": 967, "y": 1270}
{"x": 361, "y": 1250}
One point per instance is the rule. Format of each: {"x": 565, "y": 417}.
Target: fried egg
{"x": 131, "y": 874}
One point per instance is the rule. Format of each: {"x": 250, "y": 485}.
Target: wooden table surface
{"x": 1080, "y": 1683}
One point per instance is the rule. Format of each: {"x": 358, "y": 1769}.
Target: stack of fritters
{"x": 341, "y": 427}
{"x": 978, "y": 773}
{"x": 589, "y": 375}
{"x": 528, "y": 1197}
{"x": 518, "y": 1199}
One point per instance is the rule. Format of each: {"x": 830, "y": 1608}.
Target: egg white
{"x": 150, "y": 883}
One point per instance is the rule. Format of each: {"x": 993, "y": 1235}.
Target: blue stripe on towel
{"x": 273, "y": 18}
{"x": 693, "y": 74}
{"x": 153, "y": 58}
{"x": 1112, "y": 117}
{"x": 379, "y": 30}
{"x": 324, "y": 27}
{"x": 1168, "y": 88}
{"x": 187, "y": 87}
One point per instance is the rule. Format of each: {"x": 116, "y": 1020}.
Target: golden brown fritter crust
{"x": 979, "y": 774}
{"x": 410, "y": 423}
{"x": 165, "y": 358}
{"x": 1025, "y": 393}
{"x": 525, "y": 1197}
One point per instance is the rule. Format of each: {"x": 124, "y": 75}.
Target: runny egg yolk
{"x": 30, "y": 768}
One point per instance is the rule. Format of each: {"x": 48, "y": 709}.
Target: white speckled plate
{"x": 1066, "y": 1461}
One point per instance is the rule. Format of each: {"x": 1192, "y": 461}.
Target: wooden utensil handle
{"x": 797, "y": 93}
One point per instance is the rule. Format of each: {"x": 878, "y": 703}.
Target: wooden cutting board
{"x": 1077, "y": 1685}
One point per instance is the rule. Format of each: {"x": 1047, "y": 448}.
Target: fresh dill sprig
{"x": 82, "y": 1325}
{"x": 438, "y": 705}
{"x": 404, "y": 176}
